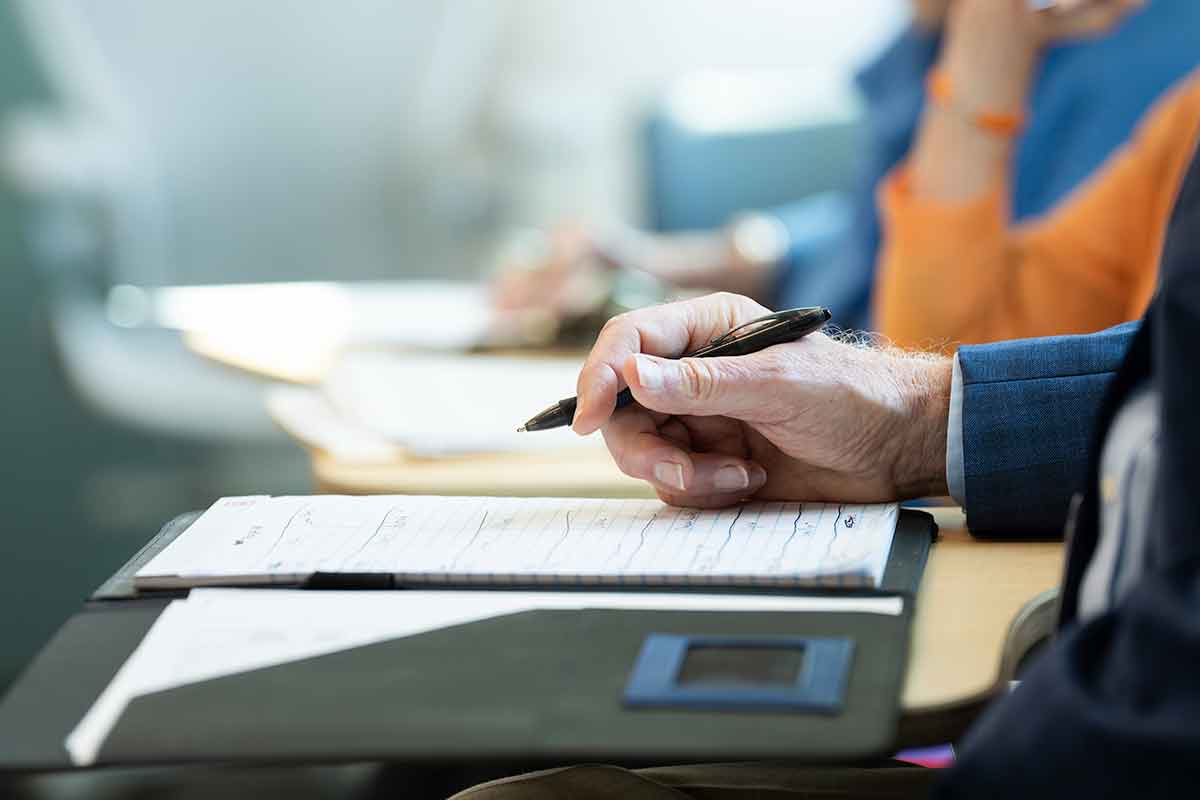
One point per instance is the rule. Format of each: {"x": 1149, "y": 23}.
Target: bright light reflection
{"x": 727, "y": 102}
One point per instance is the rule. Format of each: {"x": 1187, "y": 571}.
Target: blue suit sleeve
{"x": 1028, "y": 413}
{"x": 840, "y": 278}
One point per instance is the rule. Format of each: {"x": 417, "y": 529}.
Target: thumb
{"x": 732, "y": 386}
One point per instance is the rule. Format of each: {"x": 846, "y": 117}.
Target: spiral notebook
{"x": 508, "y": 541}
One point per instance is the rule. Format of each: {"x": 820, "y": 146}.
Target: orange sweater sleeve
{"x": 962, "y": 273}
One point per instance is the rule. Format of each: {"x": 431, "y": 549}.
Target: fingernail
{"x": 670, "y": 473}
{"x": 731, "y": 478}
{"x": 649, "y": 373}
{"x": 758, "y": 476}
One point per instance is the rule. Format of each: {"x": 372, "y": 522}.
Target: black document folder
{"x": 542, "y": 686}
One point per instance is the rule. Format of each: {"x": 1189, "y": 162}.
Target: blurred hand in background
{"x": 1058, "y": 19}
{"x": 577, "y": 272}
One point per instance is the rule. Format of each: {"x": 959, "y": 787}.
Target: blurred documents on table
{"x": 295, "y": 331}
{"x": 505, "y": 541}
{"x": 376, "y": 404}
{"x": 218, "y": 632}
{"x": 445, "y": 405}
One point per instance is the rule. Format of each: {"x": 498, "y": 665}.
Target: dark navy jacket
{"x": 1112, "y": 707}
{"x": 1086, "y": 101}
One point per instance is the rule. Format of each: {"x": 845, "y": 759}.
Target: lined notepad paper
{"x": 249, "y": 541}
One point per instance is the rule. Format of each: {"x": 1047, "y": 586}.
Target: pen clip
{"x": 778, "y": 317}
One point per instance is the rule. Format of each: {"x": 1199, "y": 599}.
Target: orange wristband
{"x": 941, "y": 91}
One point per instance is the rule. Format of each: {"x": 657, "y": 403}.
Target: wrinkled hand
{"x": 815, "y": 419}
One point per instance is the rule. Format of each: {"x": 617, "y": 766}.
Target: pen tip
{"x": 521, "y": 429}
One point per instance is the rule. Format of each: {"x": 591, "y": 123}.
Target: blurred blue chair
{"x": 719, "y": 143}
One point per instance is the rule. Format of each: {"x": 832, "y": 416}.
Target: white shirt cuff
{"x": 955, "y": 472}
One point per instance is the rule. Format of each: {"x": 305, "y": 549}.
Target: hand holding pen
{"x": 749, "y": 337}
{"x": 812, "y": 419}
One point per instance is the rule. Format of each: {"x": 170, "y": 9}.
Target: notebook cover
{"x": 71, "y": 671}
{"x": 915, "y": 532}
{"x": 66, "y": 677}
{"x": 120, "y": 585}
{"x": 540, "y": 686}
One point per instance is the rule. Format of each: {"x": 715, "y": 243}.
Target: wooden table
{"x": 970, "y": 595}
{"x": 973, "y": 593}
{"x": 572, "y": 473}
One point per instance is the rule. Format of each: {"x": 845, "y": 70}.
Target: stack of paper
{"x": 375, "y": 404}
{"x": 250, "y": 541}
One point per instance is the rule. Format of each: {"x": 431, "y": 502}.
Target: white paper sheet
{"x": 445, "y": 405}
{"x": 217, "y": 632}
{"x": 257, "y": 540}
{"x": 307, "y": 415}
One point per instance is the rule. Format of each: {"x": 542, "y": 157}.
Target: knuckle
{"x": 614, "y": 323}
{"x": 737, "y": 302}
{"x": 732, "y": 299}
{"x": 700, "y": 380}
{"x": 727, "y": 306}
{"x": 620, "y": 334}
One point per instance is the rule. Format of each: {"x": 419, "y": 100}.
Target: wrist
{"x": 990, "y": 54}
{"x": 918, "y": 466}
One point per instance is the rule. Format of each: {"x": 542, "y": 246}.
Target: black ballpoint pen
{"x": 756, "y": 335}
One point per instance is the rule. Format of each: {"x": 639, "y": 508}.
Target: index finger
{"x": 666, "y": 330}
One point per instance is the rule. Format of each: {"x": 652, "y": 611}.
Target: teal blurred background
{"x": 221, "y": 141}
{"x": 78, "y": 493}
{"x": 50, "y": 444}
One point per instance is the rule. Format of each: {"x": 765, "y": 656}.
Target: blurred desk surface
{"x": 571, "y": 473}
